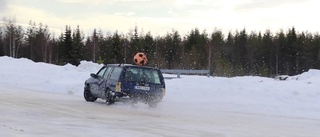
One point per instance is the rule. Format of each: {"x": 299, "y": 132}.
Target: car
{"x": 126, "y": 83}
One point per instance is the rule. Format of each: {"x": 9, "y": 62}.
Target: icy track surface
{"x": 38, "y": 99}
{"x": 29, "y": 114}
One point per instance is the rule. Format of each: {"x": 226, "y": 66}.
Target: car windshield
{"x": 142, "y": 74}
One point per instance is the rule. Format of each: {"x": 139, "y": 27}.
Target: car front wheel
{"x": 88, "y": 96}
{"x": 109, "y": 97}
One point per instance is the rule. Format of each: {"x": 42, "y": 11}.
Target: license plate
{"x": 142, "y": 88}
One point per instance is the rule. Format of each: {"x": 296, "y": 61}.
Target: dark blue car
{"x": 126, "y": 82}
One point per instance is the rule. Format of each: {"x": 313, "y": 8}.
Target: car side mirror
{"x": 93, "y": 75}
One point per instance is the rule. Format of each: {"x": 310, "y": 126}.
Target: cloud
{"x": 3, "y": 4}
{"x": 132, "y": 0}
{"x": 98, "y": 2}
{"x": 160, "y": 17}
{"x": 125, "y": 13}
{"x": 264, "y": 4}
{"x": 81, "y": 1}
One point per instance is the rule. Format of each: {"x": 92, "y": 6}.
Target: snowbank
{"x": 297, "y": 96}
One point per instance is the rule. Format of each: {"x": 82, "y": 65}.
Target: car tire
{"x": 109, "y": 97}
{"x": 88, "y": 96}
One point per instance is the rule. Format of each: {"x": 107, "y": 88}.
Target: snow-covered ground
{"x": 38, "y": 99}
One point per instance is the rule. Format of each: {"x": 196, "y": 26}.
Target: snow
{"x": 193, "y": 105}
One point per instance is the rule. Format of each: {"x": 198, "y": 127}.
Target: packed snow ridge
{"x": 297, "y": 96}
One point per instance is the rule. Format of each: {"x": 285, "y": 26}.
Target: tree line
{"x": 235, "y": 54}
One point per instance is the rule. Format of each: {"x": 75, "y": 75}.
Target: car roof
{"x": 129, "y": 65}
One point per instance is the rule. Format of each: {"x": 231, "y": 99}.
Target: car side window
{"x": 107, "y": 74}
{"x": 155, "y": 77}
{"x": 116, "y": 73}
{"x": 101, "y": 72}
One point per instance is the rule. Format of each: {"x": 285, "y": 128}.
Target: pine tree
{"x": 196, "y": 48}
{"x": 66, "y": 47}
{"x": 291, "y": 53}
{"x": 149, "y": 48}
{"x": 240, "y": 52}
{"x": 316, "y": 43}
{"x": 53, "y": 56}
{"x": 229, "y": 50}
{"x": 101, "y": 46}
{"x": 42, "y": 38}
{"x": 158, "y": 55}
{"x": 253, "y": 46}
{"x": 92, "y": 45}
{"x": 30, "y": 39}
{"x": 281, "y": 42}
{"x": 170, "y": 51}
{"x": 268, "y": 56}
{"x": 86, "y": 51}
{"x": 135, "y": 43}
{"x": 176, "y": 49}
{"x": 216, "y": 52}
{"x": 301, "y": 52}
{"x": 148, "y": 44}
{"x": 1, "y": 42}
{"x": 77, "y": 46}
{"x": 116, "y": 48}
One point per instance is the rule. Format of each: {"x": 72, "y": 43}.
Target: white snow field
{"x": 44, "y": 100}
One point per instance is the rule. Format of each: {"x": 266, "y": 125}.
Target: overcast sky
{"x": 161, "y": 16}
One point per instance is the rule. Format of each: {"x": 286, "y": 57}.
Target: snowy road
{"x": 30, "y": 113}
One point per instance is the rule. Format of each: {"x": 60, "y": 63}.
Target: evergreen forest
{"x": 239, "y": 53}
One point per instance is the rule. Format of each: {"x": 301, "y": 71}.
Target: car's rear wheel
{"x": 88, "y": 96}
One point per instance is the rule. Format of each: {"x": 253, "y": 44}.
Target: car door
{"x": 114, "y": 78}
{"x": 95, "y": 86}
{"x": 103, "y": 82}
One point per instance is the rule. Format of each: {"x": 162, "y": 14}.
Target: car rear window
{"x": 142, "y": 74}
